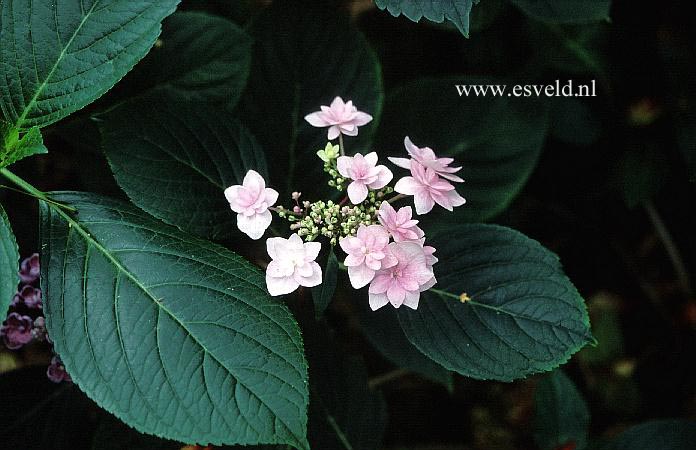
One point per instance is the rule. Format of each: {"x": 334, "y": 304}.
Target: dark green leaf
{"x": 174, "y": 160}
{"x": 15, "y": 148}
{"x": 669, "y": 434}
{"x": 9, "y": 263}
{"x": 456, "y": 11}
{"x": 40, "y": 414}
{"x": 57, "y": 57}
{"x": 575, "y": 49}
{"x": 565, "y": 11}
{"x": 384, "y": 332}
{"x": 197, "y": 57}
{"x": 502, "y": 308}
{"x": 293, "y": 73}
{"x": 174, "y": 335}
{"x": 497, "y": 140}
{"x": 323, "y": 294}
{"x": 561, "y": 415}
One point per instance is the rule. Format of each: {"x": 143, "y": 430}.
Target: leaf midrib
{"x": 93, "y": 242}
{"x": 63, "y": 51}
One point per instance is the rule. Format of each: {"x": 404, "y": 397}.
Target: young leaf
{"x": 496, "y": 139}
{"x": 667, "y": 434}
{"x": 313, "y": 71}
{"x": 382, "y": 329}
{"x": 174, "y": 335}
{"x": 15, "y": 148}
{"x": 456, "y": 11}
{"x": 57, "y": 57}
{"x": 502, "y": 308}
{"x": 174, "y": 160}
{"x": 9, "y": 264}
{"x": 561, "y": 414}
{"x": 566, "y": 11}
{"x": 192, "y": 65}
{"x": 323, "y": 294}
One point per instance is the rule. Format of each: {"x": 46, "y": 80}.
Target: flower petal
{"x": 317, "y": 119}
{"x": 423, "y": 202}
{"x": 411, "y": 299}
{"x": 271, "y": 196}
{"x": 362, "y": 118}
{"x": 281, "y": 286}
{"x": 254, "y": 182}
{"x": 360, "y": 276}
{"x": 343, "y": 164}
{"x": 357, "y": 192}
{"x": 400, "y": 162}
{"x": 384, "y": 176}
{"x": 408, "y": 186}
{"x": 334, "y": 132}
{"x": 377, "y": 301}
{"x": 312, "y": 250}
{"x": 255, "y": 225}
{"x": 314, "y": 279}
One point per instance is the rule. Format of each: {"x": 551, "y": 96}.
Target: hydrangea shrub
{"x": 150, "y": 307}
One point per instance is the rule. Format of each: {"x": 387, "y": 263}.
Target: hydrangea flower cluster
{"x": 384, "y": 246}
{"x": 25, "y": 322}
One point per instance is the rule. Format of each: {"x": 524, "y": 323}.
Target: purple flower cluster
{"x": 20, "y": 328}
{"x": 25, "y": 321}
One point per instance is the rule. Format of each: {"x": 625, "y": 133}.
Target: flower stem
{"x": 670, "y": 247}
{"x": 396, "y": 197}
{"x": 340, "y": 144}
{"x": 286, "y": 211}
{"x": 30, "y": 190}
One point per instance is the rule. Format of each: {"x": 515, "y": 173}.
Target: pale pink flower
{"x": 251, "y": 201}
{"x": 402, "y": 282}
{"x": 293, "y": 264}
{"x": 399, "y": 224}
{"x": 426, "y": 157}
{"x": 365, "y": 173}
{"x": 340, "y": 117}
{"x": 366, "y": 253}
{"x": 428, "y": 188}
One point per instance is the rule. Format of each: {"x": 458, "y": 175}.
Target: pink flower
{"x": 293, "y": 264}
{"x": 366, "y": 253}
{"x": 399, "y": 224}
{"x": 251, "y": 201}
{"x": 402, "y": 282}
{"x": 428, "y": 188}
{"x": 426, "y": 158}
{"x": 340, "y": 117}
{"x": 365, "y": 173}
